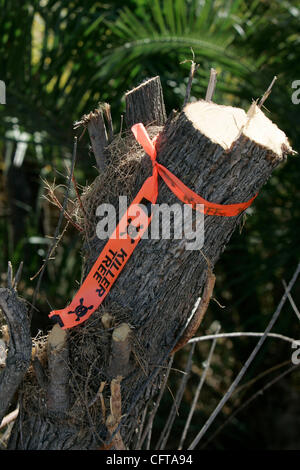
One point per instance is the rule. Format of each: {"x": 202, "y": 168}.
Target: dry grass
{"x": 126, "y": 161}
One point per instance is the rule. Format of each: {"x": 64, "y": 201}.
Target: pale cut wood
{"x": 224, "y": 125}
{"x": 211, "y": 85}
{"x": 107, "y": 320}
{"x": 9, "y": 418}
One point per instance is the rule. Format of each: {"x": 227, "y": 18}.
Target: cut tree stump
{"x": 223, "y": 154}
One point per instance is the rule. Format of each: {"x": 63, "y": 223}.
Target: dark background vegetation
{"x": 58, "y": 60}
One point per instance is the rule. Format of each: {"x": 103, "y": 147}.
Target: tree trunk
{"x": 155, "y": 294}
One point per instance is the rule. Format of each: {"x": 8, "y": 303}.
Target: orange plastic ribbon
{"x": 128, "y": 233}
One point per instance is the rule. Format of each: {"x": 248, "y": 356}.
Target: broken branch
{"x": 58, "y": 391}
{"x": 19, "y": 351}
{"x": 195, "y": 322}
{"x": 121, "y": 349}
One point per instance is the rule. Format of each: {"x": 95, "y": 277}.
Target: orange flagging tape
{"x": 128, "y": 233}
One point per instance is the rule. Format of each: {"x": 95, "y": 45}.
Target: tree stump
{"x": 223, "y": 154}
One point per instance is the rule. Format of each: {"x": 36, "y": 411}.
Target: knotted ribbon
{"x": 128, "y": 233}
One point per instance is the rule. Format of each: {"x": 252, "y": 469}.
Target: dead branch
{"x": 120, "y": 350}
{"x": 238, "y": 334}
{"x": 193, "y": 70}
{"x": 19, "y": 351}
{"x": 174, "y": 410}
{"x": 211, "y": 85}
{"x": 9, "y": 418}
{"x": 253, "y": 397}
{"x": 267, "y": 92}
{"x": 114, "y": 418}
{"x": 18, "y": 276}
{"x": 52, "y": 199}
{"x": 247, "y": 363}
{"x": 56, "y": 237}
{"x": 198, "y": 391}
{"x": 148, "y": 428}
{"x": 58, "y": 391}
{"x": 195, "y": 322}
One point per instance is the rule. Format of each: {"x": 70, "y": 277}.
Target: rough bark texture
{"x": 19, "y": 352}
{"x": 58, "y": 354}
{"x": 145, "y": 104}
{"x": 98, "y": 135}
{"x": 158, "y": 288}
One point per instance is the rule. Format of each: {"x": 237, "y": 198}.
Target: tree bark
{"x": 19, "y": 352}
{"x": 160, "y": 284}
{"x": 145, "y": 104}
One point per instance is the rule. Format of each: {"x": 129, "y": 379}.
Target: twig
{"x": 148, "y": 428}
{"x": 78, "y": 196}
{"x": 53, "y": 200}
{"x": 193, "y": 70}
{"x": 56, "y": 234}
{"x": 240, "y": 334}
{"x": 246, "y": 365}
{"x": 9, "y": 275}
{"x": 97, "y": 396}
{"x": 267, "y": 93}
{"x": 218, "y": 303}
{"x": 18, "y": 276}
{"x": 149, "y": 436}
{"x": 198, "y": 391}
{"x": 49, "y": 259}
{"x": 149, "y": 380}
{"x": 249, "y": 401}
{"x": 211, "y": 85}
{"x": 141, "y": 426}
{"x": 195, "y": 322}
{"x": 168, "y": 426}
{"x": 291, "y": 301}
{"x": 110, "y": 130}
{"x": 121, "y": 126}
